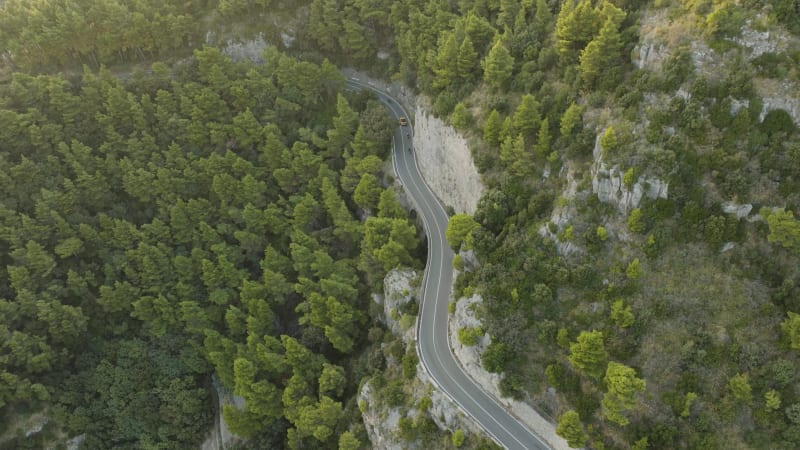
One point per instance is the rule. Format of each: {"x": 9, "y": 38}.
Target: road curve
{"x": 432, "y": 336}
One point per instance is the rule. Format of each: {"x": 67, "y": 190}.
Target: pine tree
{"x": 570, "y": 120}
{"x": 791, "y": 328}
{"x": 601, "y": 55}
{"x": 507, "y": 129}
{"x": 589, "y": 354}
{"x": 461, "y": 116}
{"x": 467, "y": 61}
{"x": 508, "y": 12}
{"x": 445, "y": 65}
{"x": 570, "y": 428}
{"x": 497, "y": 65}
{"x": 623, "y": 385}
{"x": 492, "y": 128}
{"x": 512, "y": 153}
{"x": 543, "y": 19}
{"x": 543, "y": 139}
{"x": 739, "y": 385}
{"x": 526, "y": 118}
{"x": 577, "y": 23}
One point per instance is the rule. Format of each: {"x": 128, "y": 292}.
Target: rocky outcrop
{"x": 469, "y": 358}
{"x": 741, "y": 211}
{"x": 777, "y": 94}
{"x": 397, "y": 291}
{"x": 658, "y": 42}
{"x": 220, "y": 437}
{"x": 445, "y": 161}
{"x": 608, "y": 185}
{"x": 562, "y": 214}
{"x": 75, "y": 443}
{"x": 379, "y": 424}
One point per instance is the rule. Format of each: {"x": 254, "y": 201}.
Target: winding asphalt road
{"x": 433, "y": 344}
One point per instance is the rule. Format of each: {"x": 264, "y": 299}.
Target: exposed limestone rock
{"x": 657, "y": 43}
{"x": 445, "y": 161}
{"x": 741, "y": 211}
{"x": 651, "y": 50}
{"x": 379, "y": 429}
{"x": 649, "y": 55}
{"x": 563, "y": 213}
{"x": 381, "y": 422}
{"x": 607, "y": 184}
{"x": 779, "y": 94}
{"x": 251, "y": 50}
{"x": 759, "y": 42}
{"x": 287, "y": 39}
{"x": 397, "y": 291}
{"x": 470, "y": 357}
{"x": 38, "y": 421}
{"x": 75, "y": 443}
{"x": 736, "y": 105}
{"x": 220, "y": 437}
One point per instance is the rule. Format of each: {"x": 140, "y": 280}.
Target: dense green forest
{"x": 193, "y": 221}
{"x": 234, "y": 216}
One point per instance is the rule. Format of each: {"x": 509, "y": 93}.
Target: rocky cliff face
{"x": 379, "y": 424}
{"x": 658, "y": 42}
{"x": 445, "y": 161}
{"x": 607, "y": 184}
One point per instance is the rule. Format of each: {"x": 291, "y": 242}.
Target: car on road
{"x": 403, "y": 121}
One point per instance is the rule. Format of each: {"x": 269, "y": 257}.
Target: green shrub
{"x": 777, "y": 121}
{"x": 602, "y": 233}
{"x": 458, "y": 262}
{"x": 470, "y": 336}
{"x": 410, "y": 361}
{"x": 393, "y": 393}
{"x": 425, "y": 404}
{"x": 636, "y": 222}
{"x": 458, "y": 438}
{"x": 496, "y": 356}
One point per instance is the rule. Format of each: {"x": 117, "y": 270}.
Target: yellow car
{"x": 403, "y": 121}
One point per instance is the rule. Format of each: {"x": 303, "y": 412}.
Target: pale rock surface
{"x": 445, "y": 161}
{"x": 397, "y": 291}
{"x": 563, "y": 214}
{"x": 741, "y": 211}
{"x": 607, "y": 184}
{"x": 736, "y": 105}
{"x": 251, "y": 49}
{"x": 75, "y": 443}
{"x": 220, "y": 437}
{"x": 758, "y": 42}
{"x": 37, "y": 422}
{"x": 779, "y": 94}
{"x": 655, "y": 47}
{"x": 379, "y": 429}
{"x": 469, "y": 358}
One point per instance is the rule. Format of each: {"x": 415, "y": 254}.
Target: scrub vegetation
{"x": 208, "y": 216}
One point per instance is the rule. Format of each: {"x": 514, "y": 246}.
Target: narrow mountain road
{"x": 433, "y": 345}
